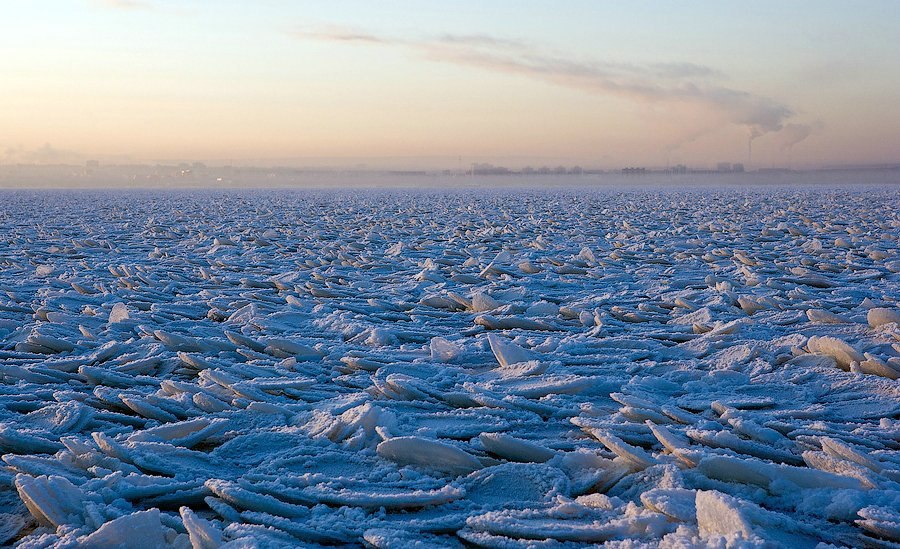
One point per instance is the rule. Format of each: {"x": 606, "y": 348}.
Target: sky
{"x": 439, "y": 84}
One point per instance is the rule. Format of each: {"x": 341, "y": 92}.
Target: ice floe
{"x": 554, "y": 368}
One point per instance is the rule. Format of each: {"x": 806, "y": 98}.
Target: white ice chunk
{"x": 507, "y": 352}
{"x": 53, "y": 501}
{"x": 720, "y": 514}
{"x": 119, "y": 313}
{"x": 515, "y": 449}
{"x": 423, "y": 452}
{"x": 836, "y": 348}
{"x": 879, "y": 316}
{"x": 142, "y": 529}
{"x": 443, "y": 350}
{"x": 202, "y": 533}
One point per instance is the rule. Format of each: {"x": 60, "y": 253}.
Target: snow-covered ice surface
{"x": 397, "y": 369}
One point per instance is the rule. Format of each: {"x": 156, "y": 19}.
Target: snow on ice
{"x": 509, "y": 369}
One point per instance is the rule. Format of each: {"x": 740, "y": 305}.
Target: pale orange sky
{"x": 581, "y": 82}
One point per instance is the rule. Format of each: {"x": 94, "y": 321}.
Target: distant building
{"x": 634, "y": 171}
{"x": 92, "y": 164}
{"x": 728, "y": 167}
{"x": 489, "y": 169}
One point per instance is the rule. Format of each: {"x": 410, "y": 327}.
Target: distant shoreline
{"x": 44, "y": 178}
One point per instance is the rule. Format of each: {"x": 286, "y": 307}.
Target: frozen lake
{"x": 513, "y": 368}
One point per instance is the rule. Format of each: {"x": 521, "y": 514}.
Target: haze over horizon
{"x": 591, "y": 83}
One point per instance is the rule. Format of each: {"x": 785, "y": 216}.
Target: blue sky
{"x": 594, "y": 83}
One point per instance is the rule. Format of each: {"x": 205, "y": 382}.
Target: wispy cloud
{"x": 658, "y": 82}
{"x": 330, "y": 33}
{"x": 793, "y": 133}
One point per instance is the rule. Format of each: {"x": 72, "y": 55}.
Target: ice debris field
{"x": 421, "y": 369}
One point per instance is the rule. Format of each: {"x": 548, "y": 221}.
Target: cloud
{"x": 481, "y": 40}
{"x": 331, "y": 33}
{"x": 791, "y": 134}
{"x": 658, "y": 82}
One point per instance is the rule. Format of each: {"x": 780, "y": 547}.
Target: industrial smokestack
{"x": 754, "y": 133}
